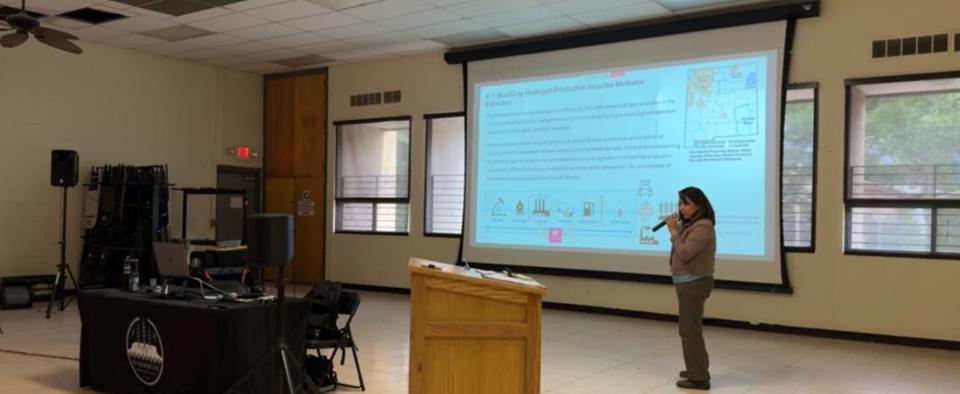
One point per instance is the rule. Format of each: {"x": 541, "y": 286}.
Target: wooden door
{"x": 278, "y": 120}
{"x": 308, "y": 255}
{"x": 296, "y": 163}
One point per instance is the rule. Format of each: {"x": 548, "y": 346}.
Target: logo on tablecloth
{"x": 145, "y": 351}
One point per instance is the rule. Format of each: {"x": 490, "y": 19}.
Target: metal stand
{"x": 279, "y": 348}
{"x": 58, "y": 293}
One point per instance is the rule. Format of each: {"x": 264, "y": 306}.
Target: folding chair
{"x": 348, "y": 304}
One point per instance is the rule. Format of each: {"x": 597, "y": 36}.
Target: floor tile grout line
{"x": 28, "y": 354}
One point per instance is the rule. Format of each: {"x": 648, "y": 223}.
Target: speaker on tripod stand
{"x": 64, "y": 173}
{"x": 270, "y": 243}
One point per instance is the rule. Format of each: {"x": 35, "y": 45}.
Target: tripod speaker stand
{"x": 270, "y": 243}
{"x": 64, "y": 173}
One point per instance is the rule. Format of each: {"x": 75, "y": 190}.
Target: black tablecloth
{"x": 133, "y": 343}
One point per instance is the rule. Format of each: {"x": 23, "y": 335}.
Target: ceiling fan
{"x": 22, "y": 25}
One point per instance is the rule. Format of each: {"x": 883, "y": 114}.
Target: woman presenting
{"x": 692, "y": 254}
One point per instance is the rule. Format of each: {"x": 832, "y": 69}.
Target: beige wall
{"x": 894, "y": 296}
{"x": 113, "y": 106}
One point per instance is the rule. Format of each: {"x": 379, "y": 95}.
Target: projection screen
{"x": 575, "y": 155}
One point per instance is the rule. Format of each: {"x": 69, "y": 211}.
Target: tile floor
{"x": 582, "y": 353}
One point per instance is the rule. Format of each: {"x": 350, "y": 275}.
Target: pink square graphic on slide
{"x": 555, "y": 235}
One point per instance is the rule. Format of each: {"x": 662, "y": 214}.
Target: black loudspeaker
{"x": 13, "y": 297}
{"x": 269, "y": 239}
{"x": 64, "y": 167}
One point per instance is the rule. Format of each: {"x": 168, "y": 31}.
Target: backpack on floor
{"x": 320, "y": 370}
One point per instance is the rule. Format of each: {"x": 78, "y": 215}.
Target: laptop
{"x": 172, "y": 259}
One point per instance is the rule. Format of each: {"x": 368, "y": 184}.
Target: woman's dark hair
{"x": 696, "y": 196}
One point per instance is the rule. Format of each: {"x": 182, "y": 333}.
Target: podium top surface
{"x": 450, "y": 271}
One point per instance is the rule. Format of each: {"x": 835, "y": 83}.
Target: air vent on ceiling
{"x": 907, "y": 46}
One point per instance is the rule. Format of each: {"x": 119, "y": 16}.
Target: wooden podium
{"x": 470, "y": 334}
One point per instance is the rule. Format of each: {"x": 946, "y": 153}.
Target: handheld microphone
{"x": 664, "y": 222}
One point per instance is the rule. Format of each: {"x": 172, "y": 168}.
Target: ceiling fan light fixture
{"x": 22, "y": 24}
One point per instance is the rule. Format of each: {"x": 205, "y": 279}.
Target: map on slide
{"x": 721, "y": 102}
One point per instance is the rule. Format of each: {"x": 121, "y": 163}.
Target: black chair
{"x": 348, "y": 304}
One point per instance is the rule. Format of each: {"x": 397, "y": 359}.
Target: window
{"x": 799, "y": 147}
{"x": 902, "y": 190}
{"x": 445, "y": 174}
{"x": 373, "y": 166}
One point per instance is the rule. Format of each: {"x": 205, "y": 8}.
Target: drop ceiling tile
{"x": 263, "y": 32}
{"x": 412, "y": 46}
{"x": 98, "y": 33}
{"x": 378, "y": 40}
{"x": 288, "y": 10}
{"x": 251, "y": 4}
{"x": 683, "y": 5}
{"x": 228, "y": 22}
{"x": 418, "y": 19}
{"x": 177, "y": 33}
{"x": 245, "y": 48}
{"x": 139, "y": 23}
{"x": 134, "y": 2}
{"x": 322, "y": 21}
{"x": 201, "y": 15}
{"x": 116, "y": 5}
{"x": 444, "y": 3}
{"x": 618, "y": 15}
{"x": 219, "y": 3}
{"x": 276, "y": 54}
{"x": 65, "y": 23}
{"x": 387, "y": 9}
{"x": 327, "y": 47}
{"x": 53, "y": 7}
{"x": 472, "y": 37}
{"x": 351, "y": 31}
{"x": 151, "y": 13}
{"x": 302, "y": 61}
{"x": 169, "y": 48}
{"x": 571, "y": 7}
{"x": 359, "y": 53}
{"x": 342, "y": 4}
{"x": 201, "y": 54}
{"x": 132, "y": 41}
{"x": 262, "y": 67}
{"x": 513, "y": 17}
{"x": 544, "y": 27}
{"x": 476, "y": 8}
{"x": 447, "y": 28}
{"x": 214, "y": 40}
{"x": 296, "y": 40}
{"x": 229, "y": 61}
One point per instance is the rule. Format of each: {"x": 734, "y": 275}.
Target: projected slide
{"x": 594, "y": 160}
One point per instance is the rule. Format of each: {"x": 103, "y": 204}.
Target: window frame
{"x": 426, "y": 170}
{"x": 850, "y": 202}
{"x": 813, "y": 192}
{"x": 370, "y": 200}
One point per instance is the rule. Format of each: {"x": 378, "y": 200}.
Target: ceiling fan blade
{"x": 53, "y": 33}
{"x": 13, "y": 40}
{"x": 60, "y": 44}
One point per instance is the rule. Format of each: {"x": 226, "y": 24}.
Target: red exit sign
{"x": 242, "y": 152}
